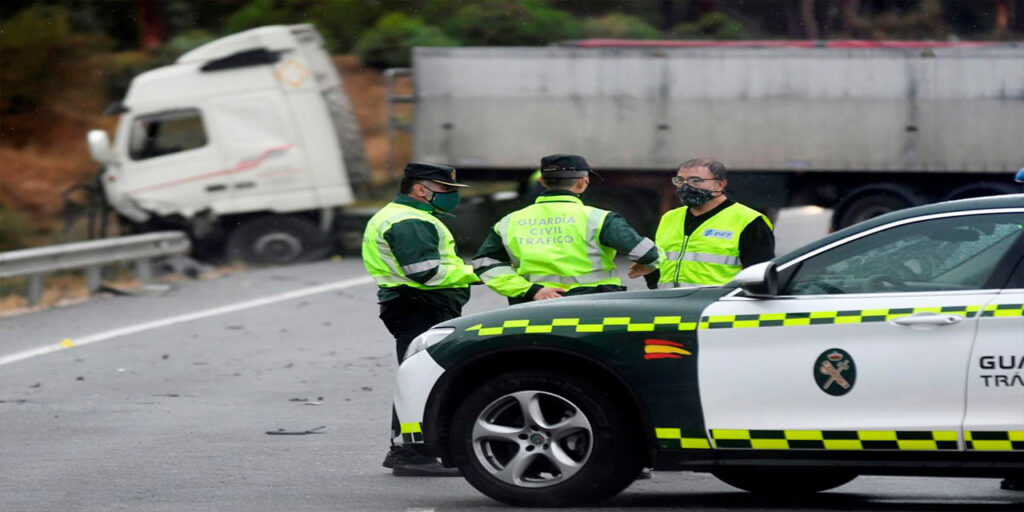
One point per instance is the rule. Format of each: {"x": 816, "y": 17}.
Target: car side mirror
{"x": 99, "y": 147}
{"x": 761, "y": 280}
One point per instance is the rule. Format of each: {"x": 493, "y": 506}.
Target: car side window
{"x": 166, "y": 133}
{"x": 949, "y": 253}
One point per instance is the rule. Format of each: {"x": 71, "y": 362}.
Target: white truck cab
{"x": 249, "y": 140}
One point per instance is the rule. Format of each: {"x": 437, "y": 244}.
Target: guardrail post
{"x": 35, "y": 289}
{"x": 144, "y": 270}
{"x": 93, "y": 277}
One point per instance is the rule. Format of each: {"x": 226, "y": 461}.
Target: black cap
{"x": 442, "y": 174}
{"x": 564, "y": 166}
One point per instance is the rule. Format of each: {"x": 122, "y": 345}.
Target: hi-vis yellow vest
{"x": 556, "y": 242}
{"x": 711, "y": 255}
{"x": 452, "y": 272}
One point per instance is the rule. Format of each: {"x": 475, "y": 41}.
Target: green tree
{"x": 389, "y": 42}
{"x": 713, "y": 25}
{"x": 619, "y": 26}
{"x": 512, "y": 23}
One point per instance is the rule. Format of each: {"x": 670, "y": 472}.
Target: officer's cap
{"x": 564, "y": 166}
{"x": 442, "y": 174}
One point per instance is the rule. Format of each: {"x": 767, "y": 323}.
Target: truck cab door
{"x": 866, "y": 347}
{"x": 171, "y": 162}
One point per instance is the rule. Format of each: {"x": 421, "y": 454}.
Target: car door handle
{"x": 927, "y": 319}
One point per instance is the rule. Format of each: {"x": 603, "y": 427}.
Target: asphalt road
{"x": 163, "y": 403}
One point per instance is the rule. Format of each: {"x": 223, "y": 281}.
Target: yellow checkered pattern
{"x": 606, "y": 324}
{"x": 994, "y": 440}
{"x": 412, "y": 432}
{"x": 1003, "y": 310}
{"x": 674, "y": 438}
{"x": 677, "y": 323}
{"x": 834, "y": 439}
{"x": 826, "y": 317}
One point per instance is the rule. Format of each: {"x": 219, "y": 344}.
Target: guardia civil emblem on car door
{"x": 835, "y": 372}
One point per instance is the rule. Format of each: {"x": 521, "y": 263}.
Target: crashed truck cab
{"x": 247, "y": 139}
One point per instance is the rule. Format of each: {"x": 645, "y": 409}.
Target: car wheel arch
{"x": 458, "y": 381}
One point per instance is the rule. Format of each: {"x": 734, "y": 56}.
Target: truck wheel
{"x": 781, "y": 481}
{"x": 276, "y": 240}
{"x": 985, "y": 188}
{"x": 541, "y": 439}
{"x": 867, "y": 204}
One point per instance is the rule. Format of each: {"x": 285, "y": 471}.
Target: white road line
{"x": 156, "y": 324}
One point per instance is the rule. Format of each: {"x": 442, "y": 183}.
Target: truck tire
{"x": 863, "y": 204}
{"x": 276, "y": 240}
{"x": 982, "y": 189}
{"x": 781, "y": 481}
{"x": 541, "y": 439}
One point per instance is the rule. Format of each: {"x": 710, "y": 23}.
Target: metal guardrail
{"x": 92, "y": 256}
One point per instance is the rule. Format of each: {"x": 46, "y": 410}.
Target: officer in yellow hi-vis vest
{"x": 421, "y": 280}
{"x": 710, "y": 238}
{"x": 558, "y": 246}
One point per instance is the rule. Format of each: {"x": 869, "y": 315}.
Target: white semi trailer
{"x": 248, "y": 143}
{"x": 860, "y": 127}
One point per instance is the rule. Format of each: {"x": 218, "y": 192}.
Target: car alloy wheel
{"x": 532, "y": 438}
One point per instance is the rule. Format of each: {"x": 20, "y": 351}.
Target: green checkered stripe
{"x": 834, "y": 439}
{"x": 1003, "y": 310}
{"x": 681, "y": 438}
{"x": 994, "y": 440}
{"x": 854, "y": 316}
{"x": 412, "y": 432}
{"x": 606, "y": 324}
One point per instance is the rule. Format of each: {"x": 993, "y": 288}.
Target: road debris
{"x": 283, "y": 432}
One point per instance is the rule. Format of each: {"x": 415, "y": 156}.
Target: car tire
{"x": 276, "y": 240}
{"x": 781, "y": 481}
{"x": 576, "y": 447}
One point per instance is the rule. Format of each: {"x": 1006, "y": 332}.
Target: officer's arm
{"x": 619, "y": 235}
{"x": 494, "y": 266}
{"x": 415, "y": 246}
{"x": 757, "y": 243}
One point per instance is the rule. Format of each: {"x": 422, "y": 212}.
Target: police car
{"x": 892, "y": 347}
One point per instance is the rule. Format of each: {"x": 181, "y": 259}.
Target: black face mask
{"x": 693, "y": 196}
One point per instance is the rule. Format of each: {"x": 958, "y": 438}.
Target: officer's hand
{"x": 639, "y": 269}
{"x": 548, "y": 293}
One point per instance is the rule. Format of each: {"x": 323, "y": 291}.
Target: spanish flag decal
{"x": 664, "y": 349}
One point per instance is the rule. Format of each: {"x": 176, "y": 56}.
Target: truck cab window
{"x": 166, "y": 133}
{"x": 968, "y": 252}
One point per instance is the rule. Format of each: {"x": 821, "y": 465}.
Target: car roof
{"x": 960, "y": 205}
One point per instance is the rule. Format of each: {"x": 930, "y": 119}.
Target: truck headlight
{"x": 427, "y": 339}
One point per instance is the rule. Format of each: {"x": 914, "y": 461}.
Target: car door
{"x": 866, "y": 347}
{"x": 995, "y": 385}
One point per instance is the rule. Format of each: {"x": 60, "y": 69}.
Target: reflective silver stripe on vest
{"x": 496, "y": 272}
{"x": 486, "y": 262}
{"x": 592, "y": 277}
{"x": 672, "y": 255}
{"x": 422, "y": 266}
{"x": 703, "y": 257}
{"x": 502, "y": 229}
{"x": 594, "y": 221}
{"x": 641, "y": 248}
{"x": 437, "y": 278}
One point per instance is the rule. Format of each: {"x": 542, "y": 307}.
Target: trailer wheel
{"x": 985, "y": 188}
{"x": 861, "y": 205}
{"x": 276, "y": 240}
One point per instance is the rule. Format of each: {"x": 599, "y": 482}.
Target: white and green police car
{"x": 892, "y": 347}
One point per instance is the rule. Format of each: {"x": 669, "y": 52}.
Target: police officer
{"x": 422, "y": 281}
{"x": 557, "y": 246}
{"x": 710, "y": 238}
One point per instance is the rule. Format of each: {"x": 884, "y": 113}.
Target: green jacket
{"x": 558, "y": 242}
{"x": 405, "y": 246}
